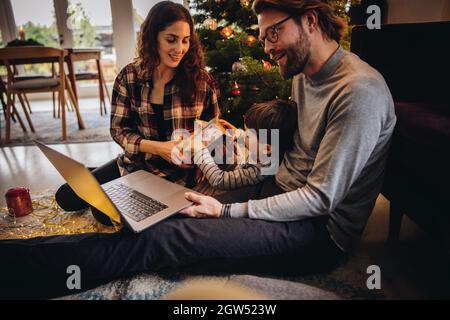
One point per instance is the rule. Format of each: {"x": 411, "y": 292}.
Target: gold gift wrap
{"x": 48, "y": 219}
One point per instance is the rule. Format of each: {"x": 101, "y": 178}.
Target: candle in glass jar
{"x": 19, "y": 202}
{"x": 21, "y": 33}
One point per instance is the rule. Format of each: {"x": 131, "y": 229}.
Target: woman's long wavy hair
{"x": 187, "y": 76}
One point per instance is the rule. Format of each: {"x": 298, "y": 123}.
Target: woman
{"x": 164, "y": 89}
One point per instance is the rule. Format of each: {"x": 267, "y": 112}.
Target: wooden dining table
{"x": 70, "y": 85}
{"x": 73, "y": 55}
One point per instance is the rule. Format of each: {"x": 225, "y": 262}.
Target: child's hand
{"x": 196, "y": 144}
{"x": 226, "y": 124}
{"x": 237, "y": 134}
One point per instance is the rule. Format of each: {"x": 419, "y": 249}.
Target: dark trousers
{"x": 38, "y": 267}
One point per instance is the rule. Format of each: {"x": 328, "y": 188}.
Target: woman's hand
{"x": 168, "y": 150}
{"x": 182, "y": 155}
{"x": 203, "y": 207}
{"x": 164, "y": 149}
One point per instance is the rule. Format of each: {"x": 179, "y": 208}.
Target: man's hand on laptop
{"x": 203, "y": 207}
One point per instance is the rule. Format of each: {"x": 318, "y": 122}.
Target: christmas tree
{"x": 228, "y": 31}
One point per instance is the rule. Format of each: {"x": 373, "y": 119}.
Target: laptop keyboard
{"x": 133, "y": 203}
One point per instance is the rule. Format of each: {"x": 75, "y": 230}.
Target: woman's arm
{"x": 159, "y": 148}
{"x": 122, "y": 126}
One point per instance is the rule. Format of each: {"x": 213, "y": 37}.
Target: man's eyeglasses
{"x": 272, "y": 32}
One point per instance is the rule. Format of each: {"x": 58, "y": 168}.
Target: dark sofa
{"x": 415, "y": 61}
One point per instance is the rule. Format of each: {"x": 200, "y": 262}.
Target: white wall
{"x": 65, "y": 34}
{"x": 409, "y": 11}
{"x": 7, "y": 22}
{"x": 124, "y": 39}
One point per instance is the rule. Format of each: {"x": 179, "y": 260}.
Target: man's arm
{"x": 354, "y": 125}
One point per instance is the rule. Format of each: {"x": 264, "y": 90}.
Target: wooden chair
{"x": 24, "y": 98}
{"x": 14, "y": 113}
{"x": 84, "y": 55}
{"x": 13, "y": 56}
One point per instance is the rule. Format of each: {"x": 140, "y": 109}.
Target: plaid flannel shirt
{"x": 133, "y": 119}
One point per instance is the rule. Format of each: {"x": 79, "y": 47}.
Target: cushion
{"x": 35, "y": 84}
{"x": 424, "y": 123}
{"x": 86, "y": 76}
{"x": 32, "y": 76}
{"x": 419, "y": 151}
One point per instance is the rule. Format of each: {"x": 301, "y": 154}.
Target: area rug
{"x": 348, "y": 281}
{"x": 48, "y": 129}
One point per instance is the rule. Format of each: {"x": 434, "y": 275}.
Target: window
{"x": 37, "y": 18}
{"x": 91, "y": 24}
{"x": 141, "y": 9}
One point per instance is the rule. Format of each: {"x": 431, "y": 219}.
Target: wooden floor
{"x": 414, "y": 265}
{"x": 28, "y": 167}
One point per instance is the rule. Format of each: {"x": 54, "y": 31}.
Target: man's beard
{"x": 297, "y": 56}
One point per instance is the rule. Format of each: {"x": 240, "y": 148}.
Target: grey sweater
{"x": 345, "y": 122}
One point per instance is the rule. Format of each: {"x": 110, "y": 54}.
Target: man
{"x": 345, "y": 121}
{"x": 303, "y": 220}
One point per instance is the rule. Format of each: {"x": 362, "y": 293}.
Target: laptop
{"x": 137, "y": 200}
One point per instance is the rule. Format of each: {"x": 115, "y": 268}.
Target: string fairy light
{"x": 48, "y": 219}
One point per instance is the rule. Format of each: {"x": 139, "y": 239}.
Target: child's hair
{"x": 275, "y": 114}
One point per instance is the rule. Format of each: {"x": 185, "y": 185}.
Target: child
{"x": 275, "y": 114}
